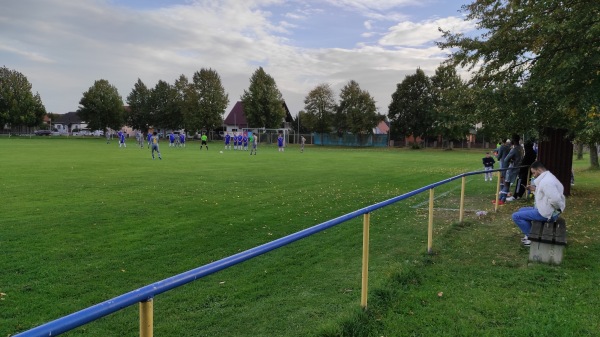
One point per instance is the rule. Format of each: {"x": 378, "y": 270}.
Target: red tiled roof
{"x": 236, "y": 116}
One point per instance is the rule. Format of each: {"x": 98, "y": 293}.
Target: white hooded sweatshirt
{"x": 549, "y": 195}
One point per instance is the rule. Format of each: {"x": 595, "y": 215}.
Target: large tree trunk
{"x": 556, "y": 153}
{"x": 594, "y": 156}
{"x": 580, "y": 151}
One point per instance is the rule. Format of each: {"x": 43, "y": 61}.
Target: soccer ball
{"x": 220, "y": 151}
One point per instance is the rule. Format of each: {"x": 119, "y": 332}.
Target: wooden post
{"x": 497, "y": 193}
{"x": 147, "y": 318}
{"x": 462, "y": 200}
{"x": 430, "y": 227}
{"x": 365, "y": 262}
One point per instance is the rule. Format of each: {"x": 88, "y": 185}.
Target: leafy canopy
{"x": 356, "y": 112}
{"x": 208, "y": 96}
{"x": 18, "y": 105}
{"x": 548, "y": 48}
{"x": 138, "y": 115}
{"x": 411, "y": 111}
{"x": 263, "y": 103}
{"x": 320, "y": 107}
{"x": 101, "y": 106}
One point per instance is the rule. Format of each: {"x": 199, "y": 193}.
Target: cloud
{"x": 64, "y": 46}
{"x": 12, "y": 47}
{"x": 420, "y": 33}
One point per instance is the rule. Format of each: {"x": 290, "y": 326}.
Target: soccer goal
{"x": 268, "y": 136}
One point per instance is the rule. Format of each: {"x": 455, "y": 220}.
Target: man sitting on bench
{"x": 549, "y": 201}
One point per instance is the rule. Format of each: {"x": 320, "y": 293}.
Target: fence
{"x": 334, "y": 139}
{"x": 145, "y": 295}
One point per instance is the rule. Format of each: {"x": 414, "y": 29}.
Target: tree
{"x": 590, "y": 134}
{"x": 138, "y": 116}
{"x": 303, "y": 122}
{"x": 18, "y": 105}
{"x": 452, "y": 102}
{"x": 507, "y": 108}
{"x": 549, "y": 48}
{"x": 357, "y": 112}
{"x": 320, "y": 108}
{"x": 163, "y": 101}
{"x": 101, "y": 106}
{"x": 211, "y": 99}
{"x": 188, "y": 101}
{"x": 411, "y": 111}
{"x": 263, "y": 103}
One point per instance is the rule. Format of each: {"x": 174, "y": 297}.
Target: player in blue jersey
{"x": 227, "y": 141}
{"x": 122, "y": 139}
{"x": 280, "y": 142}
{"x": 182, "y": 139}
{"x": 239, "y": 140}
{"x": 235, "y": 143}
{"x": 149, "y": 139}
{"x": 245, "y": 142}
{"x": 171, "y": 139}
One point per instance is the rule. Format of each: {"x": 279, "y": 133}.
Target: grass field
{"x": 83, "y": 221}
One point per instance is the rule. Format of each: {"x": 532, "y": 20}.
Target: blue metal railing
{"x": 148, "y": 292}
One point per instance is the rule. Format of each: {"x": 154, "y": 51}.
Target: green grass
{"x": 83, "y": 221}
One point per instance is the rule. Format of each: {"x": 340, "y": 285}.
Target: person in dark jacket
{"x": 528, "y": 159}
{"x": 503, "y": 151}
{"x": 488, "y": 165}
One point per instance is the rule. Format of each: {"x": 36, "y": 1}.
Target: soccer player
{"x": 139, "y": 136}
{"x": 227, "y": 141}
{"x": 149, "y": 139}
{"x": 239, "y": 140}
{"x": 245, "y": 141}
{"x": 122, "y": 139}
{"x": 254, "y": 141}
{"x": 234, "y": 141}
{"x": 171, "y": 139}
{"x": 154, "y": 141}
{"x": 302, "y": 141}
{"x": 204, "y": 138}
{"x": 182, "y": 139}
{"x": 280, "y": 142}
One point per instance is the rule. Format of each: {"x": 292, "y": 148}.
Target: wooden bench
{"x": 548, "y": 240}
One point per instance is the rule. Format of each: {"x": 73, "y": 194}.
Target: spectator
{"x": 528, "y": 159}
{"x": 549, "y": 201}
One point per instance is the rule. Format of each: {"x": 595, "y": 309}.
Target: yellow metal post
{"x": 528, "y": 193}
{"x": 147, "y": 318}
{"x": 462, "y": 200}
{"x": 430, "y": 227}
{"x": 497, "y": 193}
{"x": 365, "y": 262}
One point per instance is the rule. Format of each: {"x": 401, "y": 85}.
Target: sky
{"x": 64, "y": 46}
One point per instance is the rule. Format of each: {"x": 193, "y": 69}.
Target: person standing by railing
{"x": 528, "y": 159}
{"x": 503, "y": 151}
{"x": 512, "y": 161}
{"x": 488, "y": 165}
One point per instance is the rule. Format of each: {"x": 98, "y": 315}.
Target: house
{"x": 382, "y": 128}
{"x": 236, "y": 119}
{"x": 68, "y": 122}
